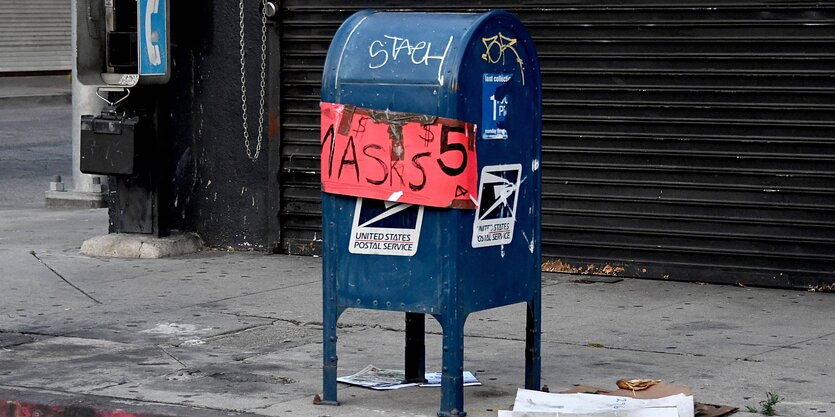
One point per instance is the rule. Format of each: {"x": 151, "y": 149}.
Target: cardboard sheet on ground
{"x": 389, "y": 379}
{"x": 655, "y": 391}
{"x": 542, "y": 404}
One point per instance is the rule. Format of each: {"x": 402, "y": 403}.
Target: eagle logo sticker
{"x": 496, "y": 212}
{"x": 385, "y": 228}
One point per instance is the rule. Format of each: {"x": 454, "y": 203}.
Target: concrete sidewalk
{"x": 220, "y": 333}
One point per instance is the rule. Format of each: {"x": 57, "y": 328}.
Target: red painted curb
{"x": 23, "y": 409}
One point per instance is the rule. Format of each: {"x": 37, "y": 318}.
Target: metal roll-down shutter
{"x": 35, "y": 36}
{"x": 687, "y": 141}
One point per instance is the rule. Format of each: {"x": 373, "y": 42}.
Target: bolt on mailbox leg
{"x": 330, "y": 315}
{"x": 415, "y": 348}
{"x": 330, "y": 361}
{"x": 533, "y": 341}
{"x": 452, "y": 378}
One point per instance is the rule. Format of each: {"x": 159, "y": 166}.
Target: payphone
{"x": 122, "y": 50}
{"x": 123, "y": 43}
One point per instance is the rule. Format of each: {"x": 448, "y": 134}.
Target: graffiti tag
{"x": 393, "y": 48}
{"x": 495, "y": 48}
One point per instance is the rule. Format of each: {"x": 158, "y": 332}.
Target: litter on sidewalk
{"x": 636, "y": 398}
{"x": 542, "y": 404}
{"x": 654, "y": 389}
{"x": 433, "y": 379}
{"x": 389, "y": 379}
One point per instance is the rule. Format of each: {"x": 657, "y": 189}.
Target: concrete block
{"x": 74, "y": 199}
{"x": 129, "y": 245}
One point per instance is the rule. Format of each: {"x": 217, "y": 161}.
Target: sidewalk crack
{"x": 273, "y": 319}
{"x": 102, "y": 388}
{"x": 750, "y": 357}
{"x": 184, "y": 366}
{"x": 254, "y": 293}
{"x": 28, "y": 333}
{"x": 231, "y": 332}
{"x": 64, "y": 279}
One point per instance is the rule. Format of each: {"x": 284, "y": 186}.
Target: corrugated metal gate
{"x": 35, "y": 35}
{"x": 684, "y": 141}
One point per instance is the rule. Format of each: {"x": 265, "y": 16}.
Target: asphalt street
{"x": 35, "y": 145}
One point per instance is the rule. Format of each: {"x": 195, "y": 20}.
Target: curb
{"x": 16, "y": 409}
{"x": 74, "y": 199}
{"x": 16, "y": 402}
{"x": 39, "y": 99}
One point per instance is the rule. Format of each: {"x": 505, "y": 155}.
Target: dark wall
{"x": 216, "y": 190}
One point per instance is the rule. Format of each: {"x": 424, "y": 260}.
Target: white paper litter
{"x": 388, "y": 379}
{"x": 542, "y": 404}
{"x": 433, "y": 379}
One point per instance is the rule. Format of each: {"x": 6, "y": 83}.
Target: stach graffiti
{"x": 398, "y": 157}
{"x": 22, "y": 409}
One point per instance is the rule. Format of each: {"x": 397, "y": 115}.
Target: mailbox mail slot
{"x": 431, "y": 135}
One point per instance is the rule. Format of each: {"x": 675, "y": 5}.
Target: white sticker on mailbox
{"x": 494, "y": 105}
{"x": 496, "y": 212}
{"x": 385, "y": 228}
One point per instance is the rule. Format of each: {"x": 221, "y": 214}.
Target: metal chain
{"x": 249, "y": 153}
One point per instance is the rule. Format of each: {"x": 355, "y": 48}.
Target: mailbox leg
{"x": 452, "y": 374}
{"x": 533, "y": 339}
{"x": 330, "y": 317}
{"x": 415, "y": 347}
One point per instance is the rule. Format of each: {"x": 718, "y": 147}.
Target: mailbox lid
{"x": 400, "y": 61}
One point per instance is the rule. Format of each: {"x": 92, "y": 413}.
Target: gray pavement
{"x": 220, "y": 333}
{"x": 240, "y": 331}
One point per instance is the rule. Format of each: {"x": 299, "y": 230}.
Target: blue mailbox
{"x": 431, "y": 135}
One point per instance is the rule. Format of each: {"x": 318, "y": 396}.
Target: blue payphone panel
{"x": 153, "y": 37}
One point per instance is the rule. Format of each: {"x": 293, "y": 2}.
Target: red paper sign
{"x": 403, "y": 157}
